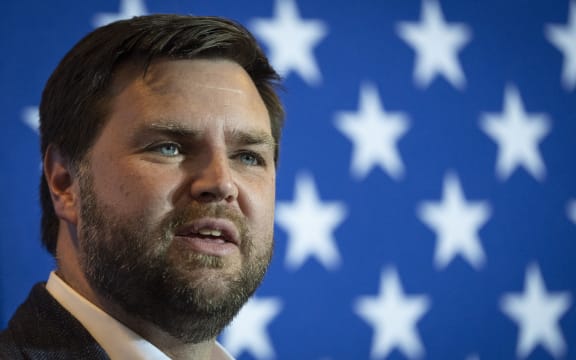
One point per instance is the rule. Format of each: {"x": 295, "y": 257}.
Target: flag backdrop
{"x": 427, "y": 182}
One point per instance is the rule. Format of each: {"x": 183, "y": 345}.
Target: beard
{"x": 136, "y": 264}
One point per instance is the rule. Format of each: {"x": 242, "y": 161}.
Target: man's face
{"x": 177, "y": 196}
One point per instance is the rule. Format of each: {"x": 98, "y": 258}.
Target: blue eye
{"x": 250, "y": 159}
{"x": 168, "y": 149}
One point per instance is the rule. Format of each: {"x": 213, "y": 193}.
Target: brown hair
{"x": 74, "y": 103}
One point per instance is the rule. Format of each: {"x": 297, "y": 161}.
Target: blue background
{"x": 528, "y": 221}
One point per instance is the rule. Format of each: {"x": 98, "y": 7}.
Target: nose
{"x": 214, "y": 181}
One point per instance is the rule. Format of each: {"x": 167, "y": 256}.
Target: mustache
{"x": 182, "y": 216}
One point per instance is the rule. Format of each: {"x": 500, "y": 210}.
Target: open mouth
{"x": 210, "y": 236}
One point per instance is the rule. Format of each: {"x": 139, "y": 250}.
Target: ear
{"x": 63, "y": 190}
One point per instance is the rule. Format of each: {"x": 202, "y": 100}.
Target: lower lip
{"x": 208, "y": 246}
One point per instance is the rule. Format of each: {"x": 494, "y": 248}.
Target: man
{"x": 160, "y": 140}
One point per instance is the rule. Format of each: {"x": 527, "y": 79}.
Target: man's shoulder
{"x": 8, "y": 348}
{"x": 42, "y": 329}
{"x": 9, "y": 337}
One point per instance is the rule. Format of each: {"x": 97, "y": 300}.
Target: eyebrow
{"x": 168, "y": 129}
{"x": 172, "y": 128}
{"x": 245, "y": 138}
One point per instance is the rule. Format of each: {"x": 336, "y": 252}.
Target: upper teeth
{"x": 210, "y": 232}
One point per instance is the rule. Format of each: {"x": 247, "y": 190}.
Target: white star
{"x": 310, "y": 224}
{"x": 31, "y": 117}
{"x": 456, "y": 223}
{"x": 571, "y": 210}
{"x": 248, "y": 330}
{"x": 375, "y": 134}
{"x": 436, "y": 44}
{"x": 128, "y": 9}
{"x": 564, "y": 38}
{"x": 518, "y": 135}
{"x": 291, "y": 40}
{"x": 393, "y": 315}
{"x": 537, "y": 313}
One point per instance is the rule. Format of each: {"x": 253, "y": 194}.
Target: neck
{"x": 170, "y": 345}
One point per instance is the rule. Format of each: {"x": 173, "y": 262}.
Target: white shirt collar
{"x": 117, "y": 340}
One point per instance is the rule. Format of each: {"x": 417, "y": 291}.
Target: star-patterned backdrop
{"x": 427, "y": 184}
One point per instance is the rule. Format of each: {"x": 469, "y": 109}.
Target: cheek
{"x": 257, "y": 203}
{"x": 135, "y": 189}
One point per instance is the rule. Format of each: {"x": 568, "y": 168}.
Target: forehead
{"x": 204, "y": 90}
{"x": 173, "y": 76}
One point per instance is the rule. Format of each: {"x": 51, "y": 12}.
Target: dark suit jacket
{"x": 41, "y": 329}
